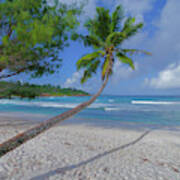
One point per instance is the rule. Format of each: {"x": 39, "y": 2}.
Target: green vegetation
{"x": 106, "y": 35}
{"x": 32, "y": 33}
{"x": 10, "y": 89}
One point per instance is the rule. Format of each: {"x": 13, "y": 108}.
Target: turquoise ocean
{"x": 132, "y": 111}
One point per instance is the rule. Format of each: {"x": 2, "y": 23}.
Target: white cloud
{"x": 165, "y": 44}
{"x": 168, "y": 78}
{"x": 92, "y": 85}
{"x": 74, "y": 80}
{"x": 136, "y": 8}
{"x": 120, "y": 71}
{"x": 89, "y": 8}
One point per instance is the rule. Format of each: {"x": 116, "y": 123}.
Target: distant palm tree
{"x": 106, "y": 33}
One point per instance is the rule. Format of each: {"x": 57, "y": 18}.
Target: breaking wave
{"x": 155, "y": 102}
{"x": 111, "y": 100}
{"x": 49, "y": 104}
{"x": 111, "y": 109}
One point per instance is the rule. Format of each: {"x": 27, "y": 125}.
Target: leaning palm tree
{"x": 106, "y": 33}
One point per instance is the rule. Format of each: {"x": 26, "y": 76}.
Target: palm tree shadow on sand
{"x": 63, "y": 170}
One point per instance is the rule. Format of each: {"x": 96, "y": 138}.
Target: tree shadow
{"x": 63, "y": 170}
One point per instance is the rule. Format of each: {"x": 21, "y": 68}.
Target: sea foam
{"x": 155, "y": 102}
{"x": 49, "y": 104}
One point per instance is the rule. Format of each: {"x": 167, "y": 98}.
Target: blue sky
{"x": 158, "y": 74}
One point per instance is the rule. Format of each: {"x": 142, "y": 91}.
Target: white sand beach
{"x": 76, "y": 152}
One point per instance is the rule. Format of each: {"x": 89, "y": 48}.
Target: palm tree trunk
{"x": 21, "y": 138}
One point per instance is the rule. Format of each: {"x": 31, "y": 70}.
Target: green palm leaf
{"x": 135, "y": 51}
{"x": 106, "y": 34}
{"x": 88, "y": 59}
{"x": 133, "y": 30}
{"x": 130, "y": 28}
{"x": 115, "y": 38}
{"x": 92, "y": 68}
{"x": 117, "y": 16}
{"x": 129, "y": 22}
{"x": 94, "y": 41}
{"x": 124, "y": 59}
{"x": 100, "y": 25}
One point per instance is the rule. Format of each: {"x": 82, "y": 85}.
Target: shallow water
{"x": 137, "y": 110}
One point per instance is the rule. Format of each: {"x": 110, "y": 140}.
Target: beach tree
{"x": 31, "y": 35}
{"x": 106, "y": 35}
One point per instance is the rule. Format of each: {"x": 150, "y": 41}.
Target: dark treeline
{"x": 26, "y": 90}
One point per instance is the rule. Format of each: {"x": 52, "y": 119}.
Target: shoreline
{"x": 87, "y": 152}
{"x": 29, "y": 118}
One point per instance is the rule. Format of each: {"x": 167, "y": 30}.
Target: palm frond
{"x": 117, "y": 17}
{"x": 94, "y": 41}
{"x": 105, "y": 33}
{"x": 133, "y": 30}
{"x": 115, "y": 38}
{"x": 135, "y": 51}
{"x": 90, "y": 70}
{"x": 86, "y": 60}
{"x": 130, "y": 28}
{"x": 129, "y": 22}
{"x": 100, "y": 25}
{"x": 124, "y": 59}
